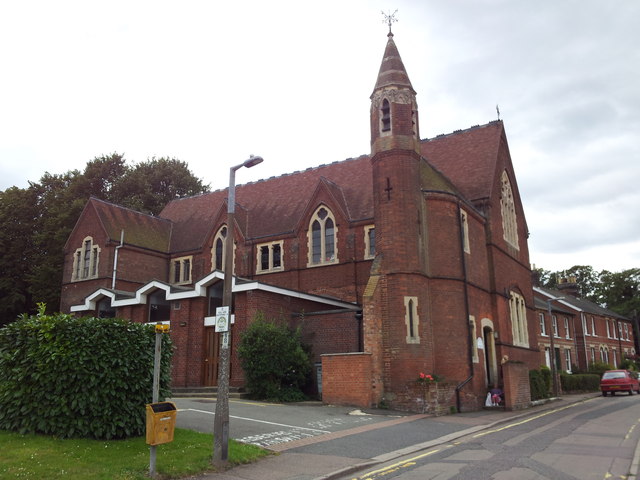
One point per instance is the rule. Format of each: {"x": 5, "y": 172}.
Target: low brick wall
{"x": 517, "y": 394}
{"x": 346, "y": 379}
{"x": 433, "y": 398}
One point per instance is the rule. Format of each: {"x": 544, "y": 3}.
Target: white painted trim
{"x": 199, "y": 290}
{"x": 562, "y": 301}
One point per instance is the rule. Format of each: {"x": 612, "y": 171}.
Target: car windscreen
{"x": 608, "y": 375}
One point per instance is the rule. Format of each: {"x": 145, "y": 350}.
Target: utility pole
{"x": 552, "y": 355}
{"x": 221, "y": 420}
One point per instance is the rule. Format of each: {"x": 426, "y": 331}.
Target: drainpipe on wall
{"x": 470, "y": 338}
{"x": 575, "y": 340}
{"x": 115, "y": 260}
{"x": 619, "y": 339}
{"x": 585, "y": 327}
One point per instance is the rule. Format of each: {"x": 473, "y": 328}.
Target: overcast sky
{"x": 210, "y": 83}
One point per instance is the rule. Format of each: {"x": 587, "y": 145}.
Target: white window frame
{"x": 626, "y": 331}
{"x": 585, "y": 330}
{"x": 184, "y": 270}
{"x": 385, "y": 117}
{"x": 518, "y": 313}
{"x": 464, "y": 220}
{"x": 543, "y": 325}
{"x": 620, "y": 330}
{"x": 86, "y": 261}
{"x": 567, "y": 331}
{"x": 412, "y": 320}
{"x": 554, "y": 326}
{"x": 474, "y": 344}
{"x": 369, "y": 253}
{"x": 508, "y": 211}
{"x": 272, "y": 247}
{"x": 567, "y": 359}
{"x": 221, "y": 235}
{"x": 593, "y": 327}
{"x": 325, "y": 257}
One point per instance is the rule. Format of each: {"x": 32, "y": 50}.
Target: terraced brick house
{"x": 594, "y": 334}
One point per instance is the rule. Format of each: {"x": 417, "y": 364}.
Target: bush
{"x": 78, "y": 377}
{"x": 545, "y": 372}
{"x": 538, "y": 385}
{"x": 580, "y": 382}
{"x": 598, "y": 368}
{"x": 628, "y": 364}
{"x": 275, "y": 364}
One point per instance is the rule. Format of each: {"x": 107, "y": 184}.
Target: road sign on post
{"x": 222, "y": 319}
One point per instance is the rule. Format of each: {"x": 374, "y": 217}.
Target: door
{"x": 210, "y": 361}
{"x": 490, "y": 357}
{"x": 547, "y": 357}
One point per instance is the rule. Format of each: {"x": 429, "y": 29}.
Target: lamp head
{"x": 252, "y": 161}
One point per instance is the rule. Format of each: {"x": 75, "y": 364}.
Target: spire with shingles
{"x": 392, "y": 71}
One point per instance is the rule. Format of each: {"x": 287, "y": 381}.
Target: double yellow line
{"x": 412, "y": 461}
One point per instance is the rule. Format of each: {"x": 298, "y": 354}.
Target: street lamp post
{"x": 221, "y": 420}
{"x": 552, "y": 354}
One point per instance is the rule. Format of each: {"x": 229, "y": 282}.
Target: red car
{"x": 619, "y": 380}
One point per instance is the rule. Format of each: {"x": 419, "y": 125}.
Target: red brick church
{"x": 411, "y": 259}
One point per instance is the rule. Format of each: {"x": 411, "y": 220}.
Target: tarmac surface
{"x": 337, "y": 454}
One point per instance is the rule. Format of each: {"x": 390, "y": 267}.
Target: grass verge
{"x": 39, "y": 457}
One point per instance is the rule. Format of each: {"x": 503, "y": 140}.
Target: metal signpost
{"x": 160, "y": 329}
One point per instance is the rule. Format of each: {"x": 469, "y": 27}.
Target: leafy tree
{"x": 102, "y": 176}
{"x": 620, "y": 291}
{"x": 150, "y": 185}
{"x": 586, "y": 278}
{"x": 59, "y": 206}
{"x": 275, "y": 364}
{"x": 543, "y": 278}
{"x": 18, "y": 213}
{"x": 35, "y": 222}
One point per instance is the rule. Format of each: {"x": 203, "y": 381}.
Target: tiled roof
{"x": 467, "y": 157}
{"x": 273, "y": 206}
{"x": 541, "y": 304}
{"x": 392, "y": 71}
{"x": 579, "y": 303}
{"x": 140, "y": 229}
{"x": 462, "y": 162}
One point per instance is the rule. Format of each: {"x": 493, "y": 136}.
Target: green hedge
{"x": 539, "y": 383}
{"x": 585, "y": 382}
{"x": 78, "y": 377}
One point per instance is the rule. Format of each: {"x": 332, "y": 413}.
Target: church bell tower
{"x": 395, "y": 157}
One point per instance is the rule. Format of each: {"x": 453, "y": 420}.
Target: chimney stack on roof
{"x": 569, "y": 285}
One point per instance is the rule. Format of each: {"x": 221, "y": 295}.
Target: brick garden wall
{"x": 434, "y": 398}
{"x": 517, "y": 394}
{"x": 346, "y": 379}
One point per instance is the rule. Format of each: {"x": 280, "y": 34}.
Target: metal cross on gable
{"x": 389, "y": 18}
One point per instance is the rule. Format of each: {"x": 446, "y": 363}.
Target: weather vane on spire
{"x": 389, "y": 19}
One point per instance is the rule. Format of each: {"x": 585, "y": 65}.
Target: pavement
{"x": 290, "y": 461}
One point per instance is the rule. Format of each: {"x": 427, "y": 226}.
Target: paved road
{"x": 276, "y": 426}
{"x": 590, "y": 440}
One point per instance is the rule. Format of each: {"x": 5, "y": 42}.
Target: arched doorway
{"x": 490, "y": 364}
